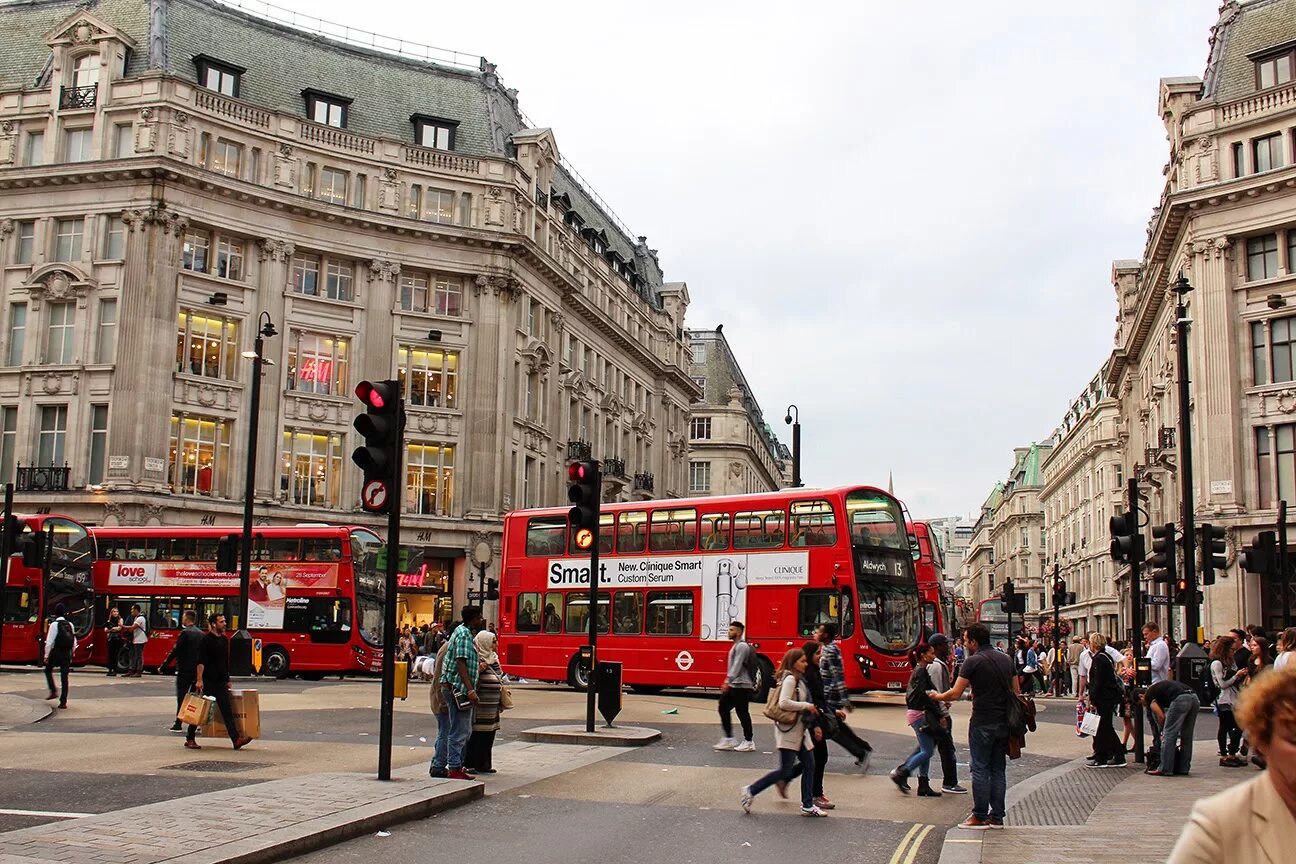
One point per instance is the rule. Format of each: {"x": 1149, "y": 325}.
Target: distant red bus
{"x": 315, "y": 598}
{"x": 929, "y": 568}
{"x": 32, "y": 593}
{"x": 674, "y": 573}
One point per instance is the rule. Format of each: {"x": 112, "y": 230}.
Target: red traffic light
{"x": 375, "y": 395}
{"x": 578, "y": 472}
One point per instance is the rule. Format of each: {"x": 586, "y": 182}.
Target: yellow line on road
{"x": 900, "y": 850}
{"x": 918, "y": 841}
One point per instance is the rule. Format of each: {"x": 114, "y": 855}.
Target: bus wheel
{"x": 275, "y": 663}
{"x": 764, "y": 679}
{"x": 647, "y": 689}
{"x": 578, "y": 675}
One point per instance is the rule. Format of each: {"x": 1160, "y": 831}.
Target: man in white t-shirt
{"x": 137, "y": 632}
{"x": 1157, "y": 653}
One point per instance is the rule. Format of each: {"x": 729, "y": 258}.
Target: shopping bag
{"x": 246, "y": 705}
{"x": 1089, "y": 725}
{"x": 195, "y": 709}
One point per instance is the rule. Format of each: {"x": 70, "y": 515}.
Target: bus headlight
{"x": 865, "y": 664}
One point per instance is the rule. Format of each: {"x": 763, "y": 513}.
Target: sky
{"x": 904, "y": 214}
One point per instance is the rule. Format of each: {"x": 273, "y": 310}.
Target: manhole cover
{"x": 217, "y": 766}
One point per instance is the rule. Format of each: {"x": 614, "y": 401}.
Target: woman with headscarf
{"x": 486, "y": 713}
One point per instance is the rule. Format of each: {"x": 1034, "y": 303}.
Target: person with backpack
{"x": 1105, "y": 694}
{"x": 137, "y": 632}
{"x": 793, "y": 713}
{"x": 923, "y": 716}
{"x": 736, "y": 691}
{"x": 60, "y": 642}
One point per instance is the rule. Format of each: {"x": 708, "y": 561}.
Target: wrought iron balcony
{"x": 643, "y": 482}
{"x": 47, "y": 478}
{"x": 577, "y": 450}
{"x": 542, "y": 199}
{"x": 614, "y": 467}
{"x": 78, "y": 97}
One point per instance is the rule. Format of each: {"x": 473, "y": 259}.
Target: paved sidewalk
{"x": 1100, "y": 816}
{"x": 279, "y": 819}
{"x": 16, "y": 711}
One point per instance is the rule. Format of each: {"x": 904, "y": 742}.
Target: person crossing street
{"x": 736, "y": 691}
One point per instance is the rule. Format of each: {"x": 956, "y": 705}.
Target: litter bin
{"x": 609, "y": 690}
{"x": 1192, "y": 667}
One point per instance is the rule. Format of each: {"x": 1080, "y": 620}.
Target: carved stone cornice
{"x": 275, "y": 250}
{"x": 59, "y": 283}
{"x": 383, "y": 271}
{"x": 537, "y": 356}
{"x": 505, "y": 287}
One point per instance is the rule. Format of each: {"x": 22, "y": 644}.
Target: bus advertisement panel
{"x": 674, "y": 574}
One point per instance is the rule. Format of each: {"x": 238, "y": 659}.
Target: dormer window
{"x": 1275, "y": 68}
{"x": 434, "y": 132}
{"x": 327, "y": 108}
{"x": 573, "y": 219}
{"x": 218, "y": 75}
{"x": 85, "y": 71}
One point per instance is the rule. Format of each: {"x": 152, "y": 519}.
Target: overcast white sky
{"x": 903, "y": 213}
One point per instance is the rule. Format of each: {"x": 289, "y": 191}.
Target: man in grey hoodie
{"x": 736, "y": 692}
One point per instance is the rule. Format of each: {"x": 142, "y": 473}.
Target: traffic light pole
{"x": 1056, "y": 666}
{"x": 1284, "y": 571}
{"x": 389, "y": 609}
{"x": 1191, "y": 609}
{"x": 1136, "y": 612}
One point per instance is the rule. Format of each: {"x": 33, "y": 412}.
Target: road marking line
{"x": 978, "y": 840}
{"x": 900, "y": 850}
{"x": 54, "y": 814}
{"x": 918, "y": 841}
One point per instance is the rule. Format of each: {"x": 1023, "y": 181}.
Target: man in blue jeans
{"x": 458, "y": 683}
{"x": 1175, "y": 706}
{"x": 990, "y": 674}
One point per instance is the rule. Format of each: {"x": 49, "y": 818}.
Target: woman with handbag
{"x": 486, "y": 713}
{"x": 790, "y": 708}
{"x": 1105, "y": 693}
{"x": 1227, "y": 679}
{"x": 923, "y": 715}
{"x": 825, "y": 725}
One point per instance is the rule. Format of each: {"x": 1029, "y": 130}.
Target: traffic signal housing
{"x": 1261, "y": 557}
{"x": 492, "y": 589}
{"x": 378, "y": 456}
{"x": 1126, "y": 541}
{"x": 1163, "y": 553}
{"x": 227, "y": 554}
{"x": 583, "y": 493}
{"x": 1210, "y": 552}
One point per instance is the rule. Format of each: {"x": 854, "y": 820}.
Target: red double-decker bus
{"x": 315, "y": 596}
{"x": 929, "y": 568}
{"x": 990, "y": 612}
{"x": 62, "y": 552}
{"x": 674, "y": 573}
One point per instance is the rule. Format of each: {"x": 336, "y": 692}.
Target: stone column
{"x": 1216, "y": 392}
{"x": 485, "y": 409}
{"x": 378, "y": 363}
{"x": 272, "y": 281}
{"x": 140, "y": 412}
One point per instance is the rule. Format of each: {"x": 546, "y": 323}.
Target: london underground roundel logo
{"x": 684, "y": 660}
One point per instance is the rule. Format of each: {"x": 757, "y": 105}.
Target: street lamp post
{"x": 241, "y": 645}
{"x": 793, "y": 418}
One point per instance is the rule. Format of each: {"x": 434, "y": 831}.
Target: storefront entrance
{"x": 424, "y": 588}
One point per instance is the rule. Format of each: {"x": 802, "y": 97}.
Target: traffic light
{"x": 492, "y": 589}
{"x": 1262, "y": 556}
{"x": 1210, "y": 552}
{"x": 381, "y": 427}
{"x": 583, "y": 493}
{"x": 1163, "y": 552}
{"x": 227, "y": 554}
{"x": 1059, "y": 592}
{"x": 1181, "y": 591}
{"x": 1126, "y": 541}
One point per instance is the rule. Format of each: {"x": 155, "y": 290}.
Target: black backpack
{"x": 62, "y": 639}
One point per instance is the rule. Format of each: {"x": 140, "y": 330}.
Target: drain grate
{"x": 217, "y": 766}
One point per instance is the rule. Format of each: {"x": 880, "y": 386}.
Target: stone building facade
{"x": 1017, "y": 529}
{"x": 1226, "y": 221}
{"x": 1083, "y": 487}
{"x": 975, "y": 581}
{"x": 175, "y": 174}
{"x": 732, "y": 450}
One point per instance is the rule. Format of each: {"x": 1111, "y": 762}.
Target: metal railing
{"x": 43, "y": 478}
{"x": 614, "y": 467}
{"x": 643, "y": 482}
{"x": 78, "y": 97}
{"x": 578, "y": 450}
{"x": 542, "y": 199}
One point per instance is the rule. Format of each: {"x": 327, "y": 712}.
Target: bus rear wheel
{"x": 578, "y": 675}
{"x": 764, "y": 679}
{"x": 275, "y": 663}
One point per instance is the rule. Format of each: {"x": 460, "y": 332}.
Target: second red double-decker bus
{"x": 929, "y": 568}
{"x": 62, "y": 551}
{"x": 315, "y": 596}
{"x": 675, "y": 573}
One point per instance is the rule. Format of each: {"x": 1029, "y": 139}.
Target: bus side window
{"x": 553, "y": 612}
{"x": 528, "y": 616}
{"x": 812, "y": 523}
{"x": 847, "y": 614}
{"x": 546, "y": 536}
{"x": 630, "y": 531}
{"x": 607, "y": 527}
{"x": 817, "y": 606}
{"x": 627, "y": 612}
{"x": 759, "y": 529}
{"x": 670, "y": 613}
{"x": 673, "y": 531}
{"x": 715, "y": 532}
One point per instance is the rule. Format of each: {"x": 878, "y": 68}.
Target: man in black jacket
{"x": 212, "y": 678}
{"x": 185, "y": 653}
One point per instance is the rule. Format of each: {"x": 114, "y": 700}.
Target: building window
{"x": 206, "y": 346}
{"x": 1262, "y": 257}
{"x": 327, "y": 108}
{"x": 76, "y": 145}
{"x": 1239, "y": 167}
{"x": 67, "y": 240}
{"x": 229, "y": 258}
{"x": 1267, "y": 152}
{"x": 429, "y": 376}
{"x": 106, "y": 347}
{"x": 34, "y": 149}
{"x": 414, "y": 292}
{"x": 448, "y": 296}
{"x": 115, "y": 239}
{"x": 62, "y": 328}
{"x": 434, "y": 132}
{"x": 312, "y": 468}
{"x": 196, "y": 251}
{"x": 98, "y": 443}
{"x": 699, "y": 353}
{"x": 199, "y": 454}
{"x": 227, "y": 158}
{"x": 1282, "y": 336}
{"x": 1272, "y": 71}
{"x": 1276, "y": 463}
{"x": 17, "y": 333}
{"x": 438, "y": 205}
{"x": 699, "y": 477}
{"x": 318, "y": 363}
{"x": 429, "y": 478}
{"x": 8, "y": 441}
{"x": 332, "y": 185}
{"x": 700, "y": 429}
{"x": 340, "y": 280}
{"x": 221, "y": 77}
{"x": 306, "y": 270}
{"x": 123, "y": 140}
{"x": 52, "y": 437}
{"x": 25, "y": 247}
{"x": 85, "y": 71}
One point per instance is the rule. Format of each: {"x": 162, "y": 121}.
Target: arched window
{"x": 85, "y": 71}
